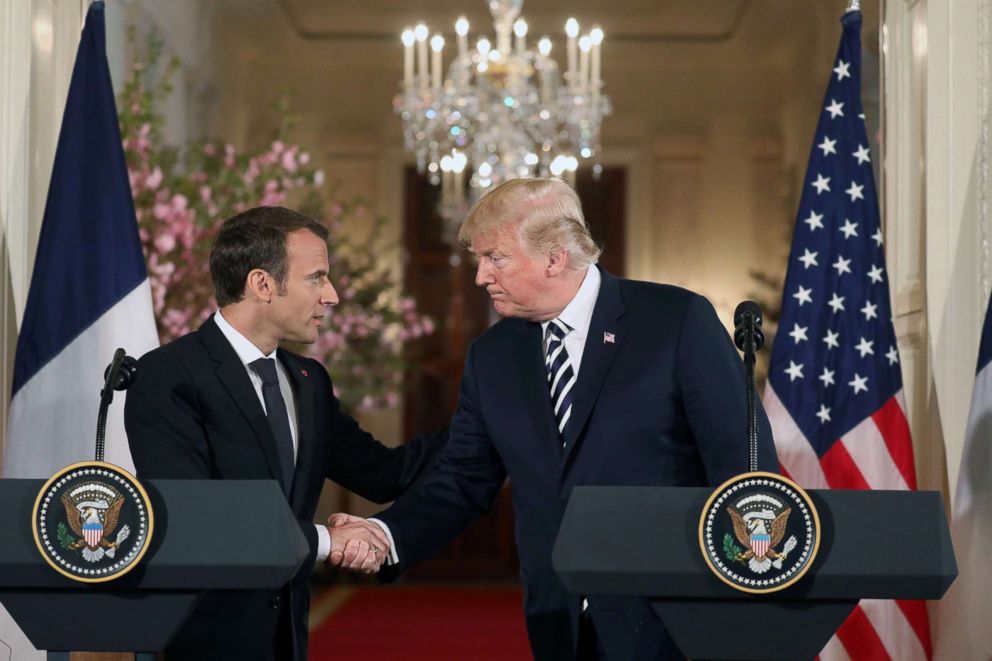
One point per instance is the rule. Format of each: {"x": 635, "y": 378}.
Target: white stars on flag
{"x": 855, "y": 191}
{"x": 827, "y": 377}
{"x": 842, "y": 265}
{"x": 827, "y": 146}
{"x": 892, "y": 355}
{"x": 823, "y": 414}
{"x": 864, "y": 348}
{"x": 869, "y": 311}
{"x": 809, "y": 259}
{"x": 849, "y": 229}
{"x": 877, "y": 237}
{"x": 875, "y": 273}
{"x": 836, "y": 303}
{"x": 859, "y": 383}
{"x": 842, "y": 70}
{"x": 821, "y": 184}
{"x": 798, "y": 333}
{"x": 835, "y": 109}
{"x": 831, "y": 339}
{"x": 794, "y": 371}
{"x": 862, "y": 155}
{"x": 814, "y": 221}
{"x": 803, "y": 295}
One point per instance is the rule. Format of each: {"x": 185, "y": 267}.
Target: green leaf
{"x": 64, "y": 536}
{"x": 730, "y": 549}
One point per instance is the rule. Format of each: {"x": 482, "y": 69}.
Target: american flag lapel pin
{"x": 304, "y": 373}
{"x": 609, "y": 338}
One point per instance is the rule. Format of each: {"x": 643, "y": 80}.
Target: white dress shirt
{"x": 248, "y": 353}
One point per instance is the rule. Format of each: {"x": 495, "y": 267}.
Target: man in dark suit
{"x": 590, "y": 380}
{"x": 224, "y": 402}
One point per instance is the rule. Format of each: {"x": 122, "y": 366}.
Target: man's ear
{"x": 557, "y": 262}
{"x": 259, "y": 286}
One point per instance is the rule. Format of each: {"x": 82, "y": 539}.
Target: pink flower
{"x": 154, "y": 179}
{"x": 318, "y": 178}
{"x": 205, "y": 193}
{"x": 209, "y": 149}
{"x": 289, "y": 160}
{"x": 428, "y": 325}
{"x": 165, "y": 243}
{"x": 304, "y": 158}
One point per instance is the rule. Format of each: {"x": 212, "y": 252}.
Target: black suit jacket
{"x": 192, "y": 413}
{"x": 659, "y": 400}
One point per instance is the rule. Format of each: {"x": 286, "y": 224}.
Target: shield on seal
{"x": 93, "y": 532}
{"x": 760, "y": 544}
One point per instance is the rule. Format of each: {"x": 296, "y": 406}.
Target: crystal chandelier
{"x": 502, "y": 111}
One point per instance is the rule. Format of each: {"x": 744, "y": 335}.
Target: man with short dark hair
{"x": 589, "y": 380}
{"x": 225, "y": 402}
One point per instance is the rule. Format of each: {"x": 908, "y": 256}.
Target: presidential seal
{"x": 759, "y": 532}
{"x": 92, "y": 522}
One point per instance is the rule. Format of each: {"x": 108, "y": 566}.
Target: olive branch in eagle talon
{"x": 104, "y": 521}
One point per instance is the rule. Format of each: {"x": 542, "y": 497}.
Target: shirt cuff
{"x": 323, "y": 542}
{"x": 394, "y": 558}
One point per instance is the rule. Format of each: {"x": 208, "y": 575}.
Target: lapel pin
{"x": 304, "y": 372}
{"x": 609, "y": 338}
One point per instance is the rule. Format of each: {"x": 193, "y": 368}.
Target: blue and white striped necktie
{"x": 561, "y": 376}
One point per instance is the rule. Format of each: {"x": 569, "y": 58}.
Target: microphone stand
{"x": 752, "y": 412}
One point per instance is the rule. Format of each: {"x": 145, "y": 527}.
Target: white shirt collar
{"x": 578, "y": 313}
{"x": 246, "y": 350}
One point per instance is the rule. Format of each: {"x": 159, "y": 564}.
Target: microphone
{"x": 118, "y": 376}
{"x": 126, "y": 369}
{"x": 749, "y": 337}
{"x": 747, "y": 322}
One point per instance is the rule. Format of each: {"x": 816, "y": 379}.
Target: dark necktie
{"x": 561, "y": 377}
{"x": 275, "y": 408}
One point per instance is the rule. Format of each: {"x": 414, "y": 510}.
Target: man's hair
{"x": 548, "y": 215}
{"x": 255, "y": 239}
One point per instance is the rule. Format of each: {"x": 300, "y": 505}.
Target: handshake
{"x": 356, "y": 544}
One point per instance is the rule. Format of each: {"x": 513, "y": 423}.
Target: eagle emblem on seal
{"x": 759, "y": 523}
{"x": 92, "y": 510}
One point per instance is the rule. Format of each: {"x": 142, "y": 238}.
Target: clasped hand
{"x": 356, "y": 544}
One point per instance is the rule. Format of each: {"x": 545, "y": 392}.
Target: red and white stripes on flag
{"x": 876, "y": 454}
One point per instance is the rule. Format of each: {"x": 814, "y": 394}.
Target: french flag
{"x": 89, "y": 291}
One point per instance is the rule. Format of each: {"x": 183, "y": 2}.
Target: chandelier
{"x": 502, "y": 111}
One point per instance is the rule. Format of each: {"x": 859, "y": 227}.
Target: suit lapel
{"x": 606, "y": 333}
{"x": 303, "y": 391}
{"x": 233, "y": 375}
{"x": 528, "y": 359}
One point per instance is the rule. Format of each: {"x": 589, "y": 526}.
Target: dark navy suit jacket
{"x": 663, "y": 404}
{"x": 192, "y": 413}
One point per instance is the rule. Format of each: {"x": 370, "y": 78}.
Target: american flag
{"x": 834, "y": 393}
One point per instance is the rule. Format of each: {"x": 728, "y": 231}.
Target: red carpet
{"x": 412, "y": 623}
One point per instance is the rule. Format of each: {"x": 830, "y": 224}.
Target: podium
{"x": 209, "y": 535}
{"x": 874, "y": 545}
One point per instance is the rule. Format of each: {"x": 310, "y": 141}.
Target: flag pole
{"x": 853, "y": 5}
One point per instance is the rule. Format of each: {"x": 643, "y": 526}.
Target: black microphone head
{"x": 125, "y": 371}
{"x": 747, "y": 306}
{"x": 747, "y": 320}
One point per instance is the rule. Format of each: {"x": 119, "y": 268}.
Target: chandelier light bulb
{"x": 531, "y": 159}
{"x": 544, "y": 46}
{"x": 572, "y": 27}
{"x": 407, "y": 38}
{"x": 585, "y": 44}
{"x": 485, "y": 169}
{"x": 520, "y": 28}
{"x": 437, "y": 43}
{"x": 461, "y": 26}
{"x": 458, "y": 161}
{"x": 558, "y": 165}
{"x": 420, "y": 32}
{"x": 447, "y": 163}
{"x": 596, "y": 34}
{"x": 483, "y": 46}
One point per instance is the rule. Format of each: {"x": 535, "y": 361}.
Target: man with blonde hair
{"x": 589, "y": 380}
